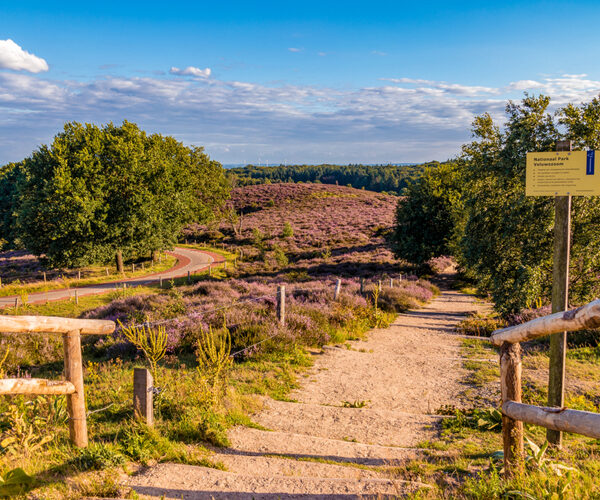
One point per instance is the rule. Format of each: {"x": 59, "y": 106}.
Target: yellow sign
{"x": 562, "y": 173}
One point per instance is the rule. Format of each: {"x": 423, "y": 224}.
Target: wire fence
{"x": 9, "y": 278}
{"x": 200, "y": 314}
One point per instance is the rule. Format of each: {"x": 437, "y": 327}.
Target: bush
{"x": 288, "y": 231}
{"x": 396, "y": 300}
{"x": 480, "y": 326}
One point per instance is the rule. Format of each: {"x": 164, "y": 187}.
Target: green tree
{"x": 504, "y": 238}
{"x": 425, "y": 216}
{"x": 97, "y": 192}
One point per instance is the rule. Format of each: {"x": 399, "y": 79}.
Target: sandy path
{"x": 403, "y": 374}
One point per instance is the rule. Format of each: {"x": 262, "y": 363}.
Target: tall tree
{"x": 100, "y": 192}
{"x": 425, "y": 216}
{"x": 504, "y": 238}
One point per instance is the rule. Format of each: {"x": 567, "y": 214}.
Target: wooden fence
{"x": 72, "y": 386}
{"x": 514, "y": 412}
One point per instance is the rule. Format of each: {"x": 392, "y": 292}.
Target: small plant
{"x": 288, "y": 231}
{"x": 536, "y": 459}
{"x": 378, "y": 318}
{"x": 213, "y": 355}
{"x": 15, "y": 482}
{"x": 23, "y": 436}
{"x": 355, "y": 404}
{"x": 2, "y": 361}
{"x": 151, "y": 341}
{"x": 281, "y": 257}
{"x": 98, "y": 456}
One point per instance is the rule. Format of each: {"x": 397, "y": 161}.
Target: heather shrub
{"x": 479, "y": 325}
{"x": 396, "y": 300}
{"x": 438, "y": 265}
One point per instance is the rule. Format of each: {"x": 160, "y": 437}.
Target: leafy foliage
{"x": 478, "y": 209}
{"x": 424, "y": 218}
{"x": 98, "y": 190}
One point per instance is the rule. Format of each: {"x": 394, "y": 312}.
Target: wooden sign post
{"x": 561, "y": 174}
{"x": 560, "y": 300}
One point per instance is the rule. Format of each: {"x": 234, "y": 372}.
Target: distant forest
{"x": 391, "y": 179}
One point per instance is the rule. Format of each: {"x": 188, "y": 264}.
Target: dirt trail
{"x": 188, "y": 260}
{"x": 402, "y": 374}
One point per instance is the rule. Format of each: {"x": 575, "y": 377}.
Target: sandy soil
{"x": 402, "y": 374}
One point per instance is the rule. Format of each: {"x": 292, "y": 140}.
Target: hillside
{"x": 336, "y": 229}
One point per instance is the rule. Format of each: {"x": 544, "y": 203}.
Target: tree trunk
{"x": 119, "y": 261}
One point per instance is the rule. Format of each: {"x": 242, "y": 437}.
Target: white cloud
{"x": 191, "y": 71}
{"x": 402, "y": 119}
{"x": 295, "y": 49}
{"x": 14, "y": 57}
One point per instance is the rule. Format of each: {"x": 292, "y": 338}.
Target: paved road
{"x": 187, "y": 260}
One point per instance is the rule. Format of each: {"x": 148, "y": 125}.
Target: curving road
{"x": 187, "y": 260}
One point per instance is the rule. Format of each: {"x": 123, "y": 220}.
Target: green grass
{"x": 462, "y": 464}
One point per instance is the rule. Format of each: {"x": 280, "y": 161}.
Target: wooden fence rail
{"x": 514, "y": 412}
{"x": 72, "y": 387}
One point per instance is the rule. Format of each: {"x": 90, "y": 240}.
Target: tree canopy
{"x": 500, "y": 237}
{"x": 97, "y": 191}
{"x": 380, "y": 178}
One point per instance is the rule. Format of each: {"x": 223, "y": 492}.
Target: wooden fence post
{"x": 281, "y": 304}
{"x": 338, "y": 286}
{"x": 75, "y": 401}
{"x": 16, "y": 303}
{"x": 379, "y": 286}
{"x": 76, "y": 297}
{"x": 209, "y": 270}
{"x": 133, "y": 268}
{"x": 391, "y": 282}
{"x": 44, "y": 276}
{"x": 510, "y": 387}
{"x": 160, "y": 282}
{"x": 362, "y": 286}
{"x": 189, "y": 277}
{"x": 106, "y": 269}
{"x": 142, "y": 395}
{"x": 79, "y": 275}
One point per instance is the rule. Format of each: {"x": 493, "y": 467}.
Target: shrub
{"x": 288, "y": 231}
{"x": 396, "y": 300}
{"x": 98, "y": 456}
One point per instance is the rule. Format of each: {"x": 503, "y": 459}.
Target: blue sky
{"x": 288, "y": 82}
